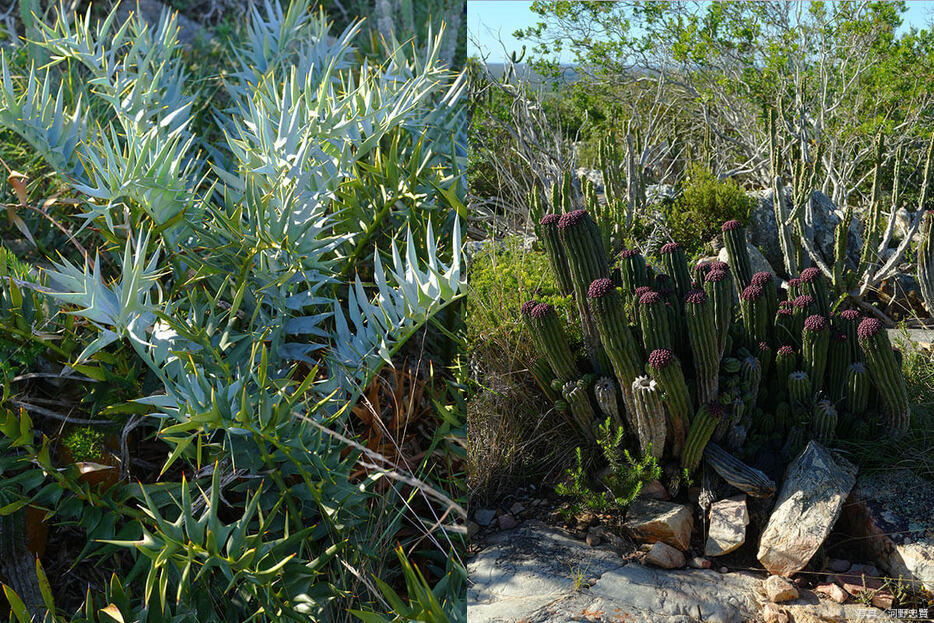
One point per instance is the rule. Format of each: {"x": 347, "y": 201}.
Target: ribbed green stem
{"x": 785, "y": 329}
{"x": 751, "y": 377}
{"x": 838, "y": 362}
{"x": 765, "y": 356}
{"x": 575, "y": 393}
{"x": 543, "y": 375}
{"x": 720, "y": 294}
{"x": 650, "y": 416}
{"x": 824, "y": 423}
{"x": 785, "y": 363}
{"x": 858, "y": 385}
{"x": 605, "y": 392}
{"x": 587, "y": 262}
{"x": 814, "y": 345}
{"x": 847, "y": 322}
{"x": 799, "y": 392}
{"x": 816, "y": 286}
{"x": 702, "y": 335}
{"x": 755, "y": 311}
{"x": 840, "y": 242}
{"x": 734, "y": 239}
{"x": 555, "y": 251}
{"x": 702, "y": 427}
{"x": 670, "y": 379}
{"x": 620, "y": 345}
{"x": 675, "y": 264}
{"x": 656, "y": 326}
{"x": 887, "y": 376}
{"x": 632, "y": 271}
{"x": 554, "y": 346}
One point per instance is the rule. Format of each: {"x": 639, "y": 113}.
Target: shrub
{"x": 252, "y": 289}
{"x": 703, "y": 205}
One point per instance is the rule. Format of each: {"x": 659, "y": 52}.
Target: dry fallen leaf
{"x": 18, "y": 181}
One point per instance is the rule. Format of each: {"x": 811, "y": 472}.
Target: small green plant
{"x": 624, "y": 480}
{"x": 84, "y": 443}
{"x": 579, "y": 576}
{"x": 704, "y": 204}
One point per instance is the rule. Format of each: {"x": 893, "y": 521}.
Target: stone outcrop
{"x": 891, "y": 514}
{"x": 812, "y": 496}
{"x": 656, "y": 520}
{"x": 821, "y": 217}
{"x": 728, "y": 521}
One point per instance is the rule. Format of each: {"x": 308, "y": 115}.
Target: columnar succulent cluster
{"x": 712, "y": 362}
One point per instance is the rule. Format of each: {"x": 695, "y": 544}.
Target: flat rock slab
{"x": 812, "y": 496}
{"x": 656, "y": 520}
{"x": 892, "y": 516}
{"x": 525, "y": 575}
{"x": 522, "y": 570}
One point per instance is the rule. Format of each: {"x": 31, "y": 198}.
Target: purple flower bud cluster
{"x": 528, "y": 306}
{"x": 809, "y": 275}
{"x": 761, "y": 279}
{"x": 752, "y": 293}
{"x": 731, "y": 225}
{"x": 850, "y": 315}
{"x": 660, "y": 357}
{"x": 805, "y": 300}
{"x": 600, "y": 288}
{"x": 697, "y": 297}
{"x": 541, "y": 310}
{"x": 868, "y": 328}
{"x": 815, "y": 323}
{"x": 548, "y": 219}
{"x": 715, "y": 275}
{"x": 571, "y": 219}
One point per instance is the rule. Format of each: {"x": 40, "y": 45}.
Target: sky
{"x": 488, "y": 21}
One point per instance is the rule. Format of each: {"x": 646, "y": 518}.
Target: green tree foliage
{"x": 838, "y": 73}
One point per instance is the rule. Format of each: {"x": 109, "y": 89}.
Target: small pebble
{"x": 507, "y": 522}
{"x": 838, "y": 565}
{"x": 723, "y": 570}
{"x": 516, "y": 508}
{"x": 699, "y": 562}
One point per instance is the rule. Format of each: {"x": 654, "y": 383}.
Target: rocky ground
{"x": 536, "y": 573}
{"x": 746, "y": 559}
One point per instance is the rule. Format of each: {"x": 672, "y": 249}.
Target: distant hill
{"x": 528, "y": 73}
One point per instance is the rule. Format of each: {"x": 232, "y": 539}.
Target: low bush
{"x": 702, "y": 206}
